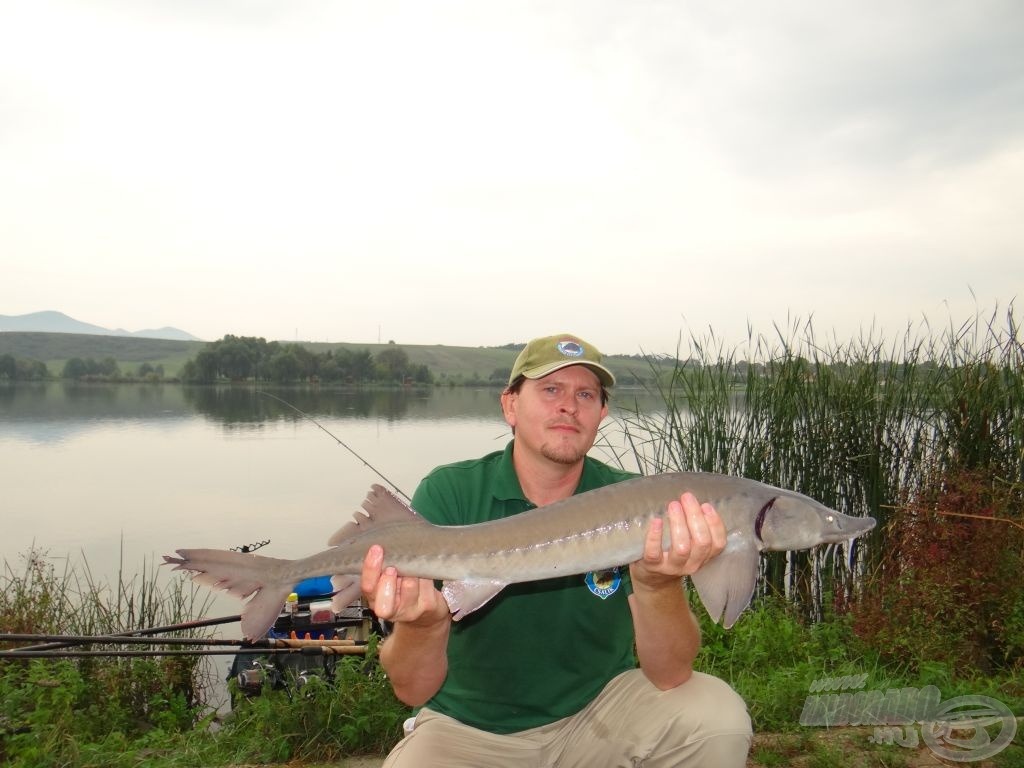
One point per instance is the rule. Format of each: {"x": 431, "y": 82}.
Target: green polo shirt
{"x": 540, "y": 650}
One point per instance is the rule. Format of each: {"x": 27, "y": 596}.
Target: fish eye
{"x": 830, "y": 518}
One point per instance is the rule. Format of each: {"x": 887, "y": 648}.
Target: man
{"x": 545, "y": 674}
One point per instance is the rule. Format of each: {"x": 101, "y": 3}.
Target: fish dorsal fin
{"x": 381, "y": 508}
{"x": 726, "y": 583}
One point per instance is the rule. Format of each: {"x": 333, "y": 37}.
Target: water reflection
{"x": 65, "y": 401}
{"x": 74, "y": 402}
{"x": 231, "y": 405}
{"x": 69, "y": 401}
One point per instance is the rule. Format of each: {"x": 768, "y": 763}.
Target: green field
{"x": 55, "y": 349}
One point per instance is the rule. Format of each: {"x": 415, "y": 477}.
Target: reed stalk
{"x": 861, "y": 425}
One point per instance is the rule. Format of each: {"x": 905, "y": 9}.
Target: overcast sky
{"x": 476, "y": 173}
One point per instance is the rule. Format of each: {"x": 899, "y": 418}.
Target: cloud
{"x": 448, "y": 170}
{"x": 873, "y": 84}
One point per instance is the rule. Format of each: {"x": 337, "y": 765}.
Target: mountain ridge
{"x": 52, "y": 321}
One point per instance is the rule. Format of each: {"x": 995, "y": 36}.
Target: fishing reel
{"x": 307, "y": 614}
{"x": 252, "y": 679}
{"x": 261, "y": 675}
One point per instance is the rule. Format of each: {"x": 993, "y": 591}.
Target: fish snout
{"x": 837, "y": 527}
{"x": 793, "y": 521}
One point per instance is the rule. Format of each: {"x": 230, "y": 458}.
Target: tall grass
{"x": 36, "y": 597}
{"x": 50, "y": 708}
{"x": 866, "y": 426}
{"x": 152, "y": 711}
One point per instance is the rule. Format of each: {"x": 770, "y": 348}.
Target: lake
{"x": 113, "y": 476}
{"x": 120, "y": 474}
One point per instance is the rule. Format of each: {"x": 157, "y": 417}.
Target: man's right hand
{"x": 414, "y": 655}
{"x": 393, "y": 598}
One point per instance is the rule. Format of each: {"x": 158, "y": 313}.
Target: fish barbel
{"x": 591, "y": 531}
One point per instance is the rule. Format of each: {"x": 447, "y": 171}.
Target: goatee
{"x": 565, "y": 454}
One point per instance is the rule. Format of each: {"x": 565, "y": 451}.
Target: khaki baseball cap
{"x": 550, "y": 353}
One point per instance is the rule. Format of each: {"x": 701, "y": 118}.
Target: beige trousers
{"x": 631, "y": 724}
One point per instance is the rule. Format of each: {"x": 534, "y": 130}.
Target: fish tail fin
{"x": 243, "y": 576}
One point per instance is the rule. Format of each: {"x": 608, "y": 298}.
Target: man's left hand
{"x": 696, "y": 534}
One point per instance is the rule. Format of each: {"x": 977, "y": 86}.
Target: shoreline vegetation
{"x": 925, "y": 433}
{"x": 26, "y": 357}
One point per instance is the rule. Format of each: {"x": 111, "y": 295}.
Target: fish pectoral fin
{"x": 346, "y": 591}
{"x": 726, "y": 583}
{"x": 464, "y": 597}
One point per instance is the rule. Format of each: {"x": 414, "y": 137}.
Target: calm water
{"x": 114, "y": 476}
{"x": 125, "y": 473}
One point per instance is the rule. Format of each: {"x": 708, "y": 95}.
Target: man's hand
{"x": 414, "y": 654}
{"x": 394, "y": 598}
{"x": 667, "y": 633}
{"x": 697, "y": 534}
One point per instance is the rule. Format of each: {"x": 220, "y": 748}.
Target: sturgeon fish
{"x": 591, "y": 531}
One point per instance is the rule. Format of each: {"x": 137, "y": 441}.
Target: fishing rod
{"x": 310, "y": 650}
{"x": 267, "y": 642}
{"x": 61, "y": 641}
{"x": 339, "y": 441}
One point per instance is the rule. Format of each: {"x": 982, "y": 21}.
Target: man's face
{"x": 557, "y": 416}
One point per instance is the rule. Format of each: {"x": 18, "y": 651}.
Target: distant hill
{"x": 55, "y": 349}
{"x": 58, "y": 322}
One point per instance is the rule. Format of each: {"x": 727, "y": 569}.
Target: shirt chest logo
{"x": 605, "y": 583}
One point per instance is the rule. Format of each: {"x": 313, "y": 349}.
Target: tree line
{"x": 242, "y": 358}
{"x": 20, "y": 369}
{"x": 248, "y": 358}
{"x": 76, "y": 368}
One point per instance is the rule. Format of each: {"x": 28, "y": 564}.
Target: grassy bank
{"x": 132, "y": 712}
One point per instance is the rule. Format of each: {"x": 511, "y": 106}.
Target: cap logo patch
{"x": 570, "y": 348}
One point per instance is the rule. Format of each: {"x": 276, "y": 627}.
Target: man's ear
{"x": 508, "y": 407}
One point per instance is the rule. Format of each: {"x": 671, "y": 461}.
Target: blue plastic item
{"x": 318, "y": 585}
